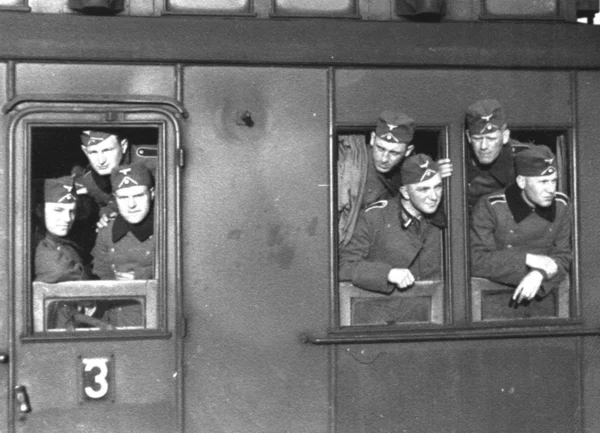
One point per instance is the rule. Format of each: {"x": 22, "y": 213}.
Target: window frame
{"x": 116, "y": 114}
{"x": 574, "y": 302}
{"x": 438, "y": 319}
{"x": 460, "y": 327}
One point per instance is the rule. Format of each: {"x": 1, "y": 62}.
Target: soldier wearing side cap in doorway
{"x": 490, "y": 164}
{"x": 57, "y": 258}
{"x": 398, "y": 241}
{"x": 104, "y": 151}
{"x": 125, "y": 248}
{"x": 522, "y": 236}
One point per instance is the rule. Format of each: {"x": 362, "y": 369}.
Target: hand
{"x": 104, "y": 219}
{"x": 544, "y": 263}
{"x": 528, "y": 287}
{"x": 402, "y": 278}
{"x": 445, "y": 167}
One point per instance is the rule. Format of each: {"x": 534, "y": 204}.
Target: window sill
{"x": 125, "y": 334}
{"x": 482, "y": 331}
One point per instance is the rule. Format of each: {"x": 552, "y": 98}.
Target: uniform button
{"x": 147, "y": 253}
{"x": 511, "y": 231}
{"x": 509, "y": 246}
{"x": 58, "y": 248}
{"x": 112, "y": 250}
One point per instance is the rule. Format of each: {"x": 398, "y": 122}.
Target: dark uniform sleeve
{"x": 355, "y": 265}
{"x": 100, "y": 265}
{"x": 504, "y": 266}
{"x": 562, "y": 252}
{"x": 54, "y": 265}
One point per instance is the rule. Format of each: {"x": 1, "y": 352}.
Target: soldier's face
{"x": 539, "y": 190}
{"x": 59, "y": 217}
{"x": 134, "y": 202}
{"x": 106, "y": 155}
{"x": 487, "y": 147}
{"x": 426, "y": 196}
{"x": 387, "y": 155}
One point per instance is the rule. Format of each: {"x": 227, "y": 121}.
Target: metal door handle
{"x": 22, "y": 399}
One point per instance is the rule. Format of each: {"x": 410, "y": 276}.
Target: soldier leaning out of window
{"x": 398, "y": 241}
{"x": 125, "y": 247}
{"x": 521, "y": 236}
{"x": 57, "y": 258}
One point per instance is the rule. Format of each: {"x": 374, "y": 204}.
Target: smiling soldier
{"x": 398, "y": 241}
{"x": 522, "y": 236}
{"x": 364, "y": 180}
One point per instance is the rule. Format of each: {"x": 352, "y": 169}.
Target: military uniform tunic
{"x": 122, "y": 253}
{"x": 58, "y": 259}
{"x": 99, "y": 189}
{"x": 383, "y": 239}
{"x": 117, "y": 249}
{"x": 504, "y": 229}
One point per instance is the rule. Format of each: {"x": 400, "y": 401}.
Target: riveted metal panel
{"x": 502, "y": 386}
{"x": 439, "y": 95}
{"x": 255, "y": 218}
{"x": 95, "y": 79}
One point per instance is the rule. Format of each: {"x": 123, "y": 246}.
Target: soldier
{"x": 378, "y": 177}
{"x": 104, "y": 151}
{"x": 58, "y": 259}
{"x": 522, "y": 236}
{"x": 398, "y": 241}
{"x": 125, "y": 248}
{"x": 491, "y": 153}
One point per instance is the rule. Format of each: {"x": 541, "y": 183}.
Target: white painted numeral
{"x": 100, "y": 378}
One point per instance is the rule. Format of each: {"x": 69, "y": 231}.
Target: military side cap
{"x": 417, "y": 168}
{"x": 131, "y": 175}
{"x": 89, "y": 138}
{"x": 395, "y": 127}
{"x": 485, "y": 116}
{"x": 59, "y": 190}
{"x": 536, "y": 161}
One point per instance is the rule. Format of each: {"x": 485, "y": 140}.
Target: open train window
{"x": 92, "y": 222}
{"x": 492, "y": 302}
{"x": 422, "y": 304}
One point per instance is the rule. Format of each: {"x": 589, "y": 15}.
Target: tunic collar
{"x": 103, "y": 182}
{"x": 141, "y": 231}
{"x": 520, "y": 209}
{"x": 438, "y": 218}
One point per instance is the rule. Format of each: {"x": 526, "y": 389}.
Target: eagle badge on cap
{"x": 126, "y": 180}
{"x": 428, "y": 171}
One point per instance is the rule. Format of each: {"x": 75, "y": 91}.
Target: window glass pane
{"x": 520, "y": 7}
{"x": 93, "y": 227}
{"x": 209, "y": 5}
{"x": 387, "y": 230}
{"x": 315, "y": 6}
{"x": 13, "y": 3}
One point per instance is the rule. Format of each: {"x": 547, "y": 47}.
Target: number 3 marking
{"x": 100, "y": 378}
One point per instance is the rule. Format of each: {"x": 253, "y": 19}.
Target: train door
{"x": 82, "y": 372}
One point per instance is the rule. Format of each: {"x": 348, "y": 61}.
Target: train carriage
{"x": 238, "y": 108}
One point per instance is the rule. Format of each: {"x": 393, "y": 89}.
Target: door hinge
{"x": 181, "y": 158}
{"x": 183, "y": 327}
